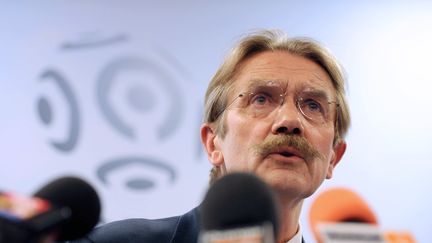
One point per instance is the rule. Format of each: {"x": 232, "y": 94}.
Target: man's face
{"x": 260, "y": 115}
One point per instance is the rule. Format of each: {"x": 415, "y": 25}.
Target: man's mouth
{"x": 287, "y": 152}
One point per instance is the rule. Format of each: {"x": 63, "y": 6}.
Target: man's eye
{"x": 312, "y": 105}
{"x": 260, "y": 99}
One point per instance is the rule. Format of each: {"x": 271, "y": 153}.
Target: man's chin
{"x": 288, "y": 184}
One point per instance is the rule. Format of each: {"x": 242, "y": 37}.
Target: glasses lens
{"x": 315, "y": 108}
{"x": 263, "y": 99}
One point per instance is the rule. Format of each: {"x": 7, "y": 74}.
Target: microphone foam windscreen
{"x": 339, "y": 205}
{"x": 81, "y": 198}
{"x": 239, "y": 200}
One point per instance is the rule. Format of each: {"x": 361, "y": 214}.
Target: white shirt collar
{"x": 297, "y": 237}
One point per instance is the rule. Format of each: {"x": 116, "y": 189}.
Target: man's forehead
{"x": 282, "y": 70}
{"x": 314, "y": 80}
{"x": 279, "y": 61}
{"x": 316, "y": 85}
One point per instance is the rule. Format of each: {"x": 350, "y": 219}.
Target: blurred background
{"x": 113, "y": 91}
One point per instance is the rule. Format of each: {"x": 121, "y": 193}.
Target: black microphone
{"x": 239, "y": 207}
{"x": 64, "y": 209}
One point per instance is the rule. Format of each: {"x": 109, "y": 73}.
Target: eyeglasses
{"x": 263, "y": 98}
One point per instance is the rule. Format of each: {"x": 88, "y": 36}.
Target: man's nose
{"x": 288, "y": 119}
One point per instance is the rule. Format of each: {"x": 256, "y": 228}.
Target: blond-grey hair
{"x": 272, "y": 40}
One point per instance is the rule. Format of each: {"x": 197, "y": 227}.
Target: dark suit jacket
{"x": 179, "y": 229}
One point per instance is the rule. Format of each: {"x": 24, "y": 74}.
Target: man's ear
{"x": 211, "y": 141}
{"x": 338, "y": 152}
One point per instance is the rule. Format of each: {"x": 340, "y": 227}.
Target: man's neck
{"x": 290, "y": 214}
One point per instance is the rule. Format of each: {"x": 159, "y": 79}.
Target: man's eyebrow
{"x": 318, "y": 93}
{"x": 261, "y": 82}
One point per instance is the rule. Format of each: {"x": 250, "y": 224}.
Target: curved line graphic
{"x": 106, "y": 168}
{"x": 90, "y": 43}
{"x": 105, "y": 83}
{"x": 199, "y": 146}
{"x": 174, "y": 62}
{"x": 70, "y": 142}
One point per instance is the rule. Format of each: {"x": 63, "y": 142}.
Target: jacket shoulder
{"x": 177, "y": 229}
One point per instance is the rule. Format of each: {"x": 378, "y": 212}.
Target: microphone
{"x": 239, "y": 207}
{"x": 340, "y": 215}
{"x": 64, "y": 209}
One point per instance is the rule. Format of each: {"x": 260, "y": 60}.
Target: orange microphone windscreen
{"x": 338, "y": 205}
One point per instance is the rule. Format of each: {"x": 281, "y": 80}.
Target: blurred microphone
{"x": 340, "y": 215}
{"x": 238, "y": 208}
{"x": 65, "y": 209}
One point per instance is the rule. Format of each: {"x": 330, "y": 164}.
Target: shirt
{"x": 297, "y": 237}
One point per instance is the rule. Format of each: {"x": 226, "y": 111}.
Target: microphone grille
{"x": 82, "y": 200}
{"x": 238, "y": 200}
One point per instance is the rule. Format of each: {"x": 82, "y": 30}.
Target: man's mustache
{"x": 299, "y": 143}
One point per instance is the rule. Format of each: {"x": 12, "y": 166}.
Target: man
{"x": 276, "y": 108}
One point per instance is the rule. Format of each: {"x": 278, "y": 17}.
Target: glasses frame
{"x": 283, "y": 97}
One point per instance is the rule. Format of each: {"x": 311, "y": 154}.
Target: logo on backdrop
{"x": 140, "y": 97}
{"x": 126, "y": 84}
{"x": 46, "y": 113}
